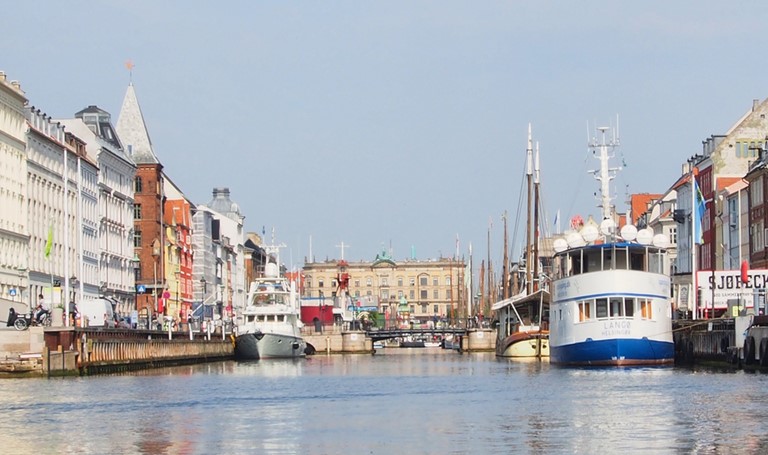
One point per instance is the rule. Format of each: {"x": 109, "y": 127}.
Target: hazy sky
{"x": 398, "y": 123}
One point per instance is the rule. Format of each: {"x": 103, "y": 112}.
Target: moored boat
{"x": 521, "y": 326}
{"x": 270, "y": 326}
{"x": 611, "y": 295}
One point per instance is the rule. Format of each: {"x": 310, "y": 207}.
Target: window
{"x": 435, "y": 282}
{"x": 601, "y": 305}
{"x": 413, "y": 281}
{"x": 412, "y": 294}
{"x": 137, "y": 185}
{"x": 434, "y": 294}
{"x": 448, "y": 294}
{"x": 320, "y": 283}
{"x": 584, "y": 310}
{"x": 137, "y": 239}
{"x": 423, "y": 308}
{"x": 629, "y": 307}
{"x": 400, "y": 281}
{"x": 448, "y": 281}
{"x": 385, "y": 294}
{"x": 436, "y": 309}
{"x": 423, "y": 294}
{"x": 384, "y": 281}
{"x": 423, "y": 280}
{"x": 368, "y": 281}
{"x": 136, "y": 211}
{"x": 616, "y": 307}
{"x": 646, "y": 309}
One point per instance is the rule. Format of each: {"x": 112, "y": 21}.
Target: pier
{"x": 85, "y": 351}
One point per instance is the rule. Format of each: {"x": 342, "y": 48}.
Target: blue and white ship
{"x": 611, "y": 293}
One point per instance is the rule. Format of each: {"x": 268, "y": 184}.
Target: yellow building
{"x": 403, "y": 292}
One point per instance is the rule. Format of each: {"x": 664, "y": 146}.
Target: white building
{"x": 14, "y": 232}
{"x": 116, "y": 174}
{"x": 228, "y": 242}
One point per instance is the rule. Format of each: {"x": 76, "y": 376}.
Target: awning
{"x": 522, "y": 298}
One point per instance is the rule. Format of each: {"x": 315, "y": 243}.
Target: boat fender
{"x": 749, "y": 350}
{"x": 764, "y": 352}
{"x": 724, "y": 344}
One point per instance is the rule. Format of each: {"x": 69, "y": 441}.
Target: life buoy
{"x": 764, "y": 352}
{"x": 749, "y": 350}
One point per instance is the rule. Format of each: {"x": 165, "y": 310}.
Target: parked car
{"x": 97, "y": 313}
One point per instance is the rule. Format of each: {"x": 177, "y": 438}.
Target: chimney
{"x": 755, "y": 103}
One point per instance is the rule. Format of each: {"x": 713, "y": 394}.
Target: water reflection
{"x": 401, "y": 401}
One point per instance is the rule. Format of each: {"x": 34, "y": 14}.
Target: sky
{"x": 399, "y": 126}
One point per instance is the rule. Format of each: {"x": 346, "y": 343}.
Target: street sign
{"x": 12, "y": 292}
{"x": 141, "y": 289}
{"x": 166, "y": 295}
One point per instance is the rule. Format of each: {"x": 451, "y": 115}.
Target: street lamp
{"x": 136, "y": 262}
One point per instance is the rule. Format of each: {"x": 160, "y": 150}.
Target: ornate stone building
{"x": 412, "y": 290}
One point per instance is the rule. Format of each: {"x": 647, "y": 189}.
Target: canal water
{"x": 400, "y": 401}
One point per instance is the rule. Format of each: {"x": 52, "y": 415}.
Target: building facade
{"x": 14, "y": 228}
{"x": 401, "y": 292}
{"x": 116, "y": 176}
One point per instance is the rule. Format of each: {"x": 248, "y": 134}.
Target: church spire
{"x": 133, "y": 131}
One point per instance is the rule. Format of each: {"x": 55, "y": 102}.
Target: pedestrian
{"x": 41, "y": 308}
{"x": 72, "y": 313}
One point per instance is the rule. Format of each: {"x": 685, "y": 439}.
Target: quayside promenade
{"x": 84, "y": 351}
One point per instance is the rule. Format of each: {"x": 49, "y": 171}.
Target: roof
{"x": 133, "y": 130}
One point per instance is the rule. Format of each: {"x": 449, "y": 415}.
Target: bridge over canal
{"x": 385, "y": 334}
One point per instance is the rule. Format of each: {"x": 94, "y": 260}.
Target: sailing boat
{"x": 521, "y": 331}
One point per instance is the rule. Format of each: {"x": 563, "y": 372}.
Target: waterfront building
{"x": 149, "y": 236}
{"x": 52, "y": 209}
{"x": 399, "y": 291}
{"x": 725, "y": 159}
{"x": 204, "y": 264}
{"x": 228, "y": 243}
{"x": 177, "y": 219}
{"x": 14, "y": 228}
{"x": 115, "y": 180}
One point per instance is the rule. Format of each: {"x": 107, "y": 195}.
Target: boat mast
{"x": 604, "y": 175}
{"x": 535, "y": 255}
{"x": 505, "y": 263}
{"x": 529, "y": 236}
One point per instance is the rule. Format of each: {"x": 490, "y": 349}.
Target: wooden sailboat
{"x": 521, "y": 331}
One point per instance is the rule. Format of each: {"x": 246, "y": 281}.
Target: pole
{"x": 694, "y": 285}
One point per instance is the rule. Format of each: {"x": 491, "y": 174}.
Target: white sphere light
{"x": 589, "y": 233}
{"x": 644, "y": 236}
{"x": 629, "y": 232}
{"x": 607, "y": 227}
{"x": 575, "y": 240}
{"x": 661, "y": 241}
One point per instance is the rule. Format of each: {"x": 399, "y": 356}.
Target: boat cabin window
{"x": 616, "y": 306}
{"x": 585, "y": 310}
{"x": 280, "y": 318}
{"x": 636, "y": 261}
{"x": 601, "y": 305}
{"x": 629, "y": 307}
{"x": 656, "y": 262}
{"x": 646, "y": 309}
{"x": 249, "y": 318}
